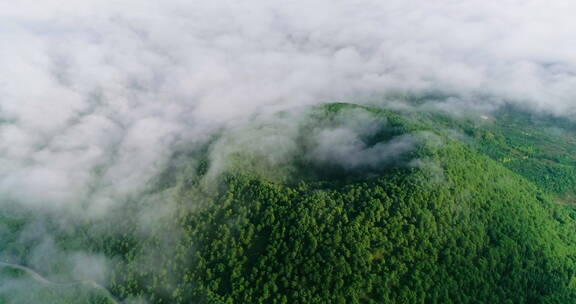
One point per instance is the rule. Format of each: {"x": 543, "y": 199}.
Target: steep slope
{"x": 450, "y": 226}
{"x": 540, "y": 147}
{"x": 343, "y": 204}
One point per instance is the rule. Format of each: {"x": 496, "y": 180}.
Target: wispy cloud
{"x": 95, "y": 95}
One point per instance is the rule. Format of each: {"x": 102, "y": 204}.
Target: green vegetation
{"x": 395, "y": 239}
{"x": 456, "y": 219}
{"x": 18, "y": 287}
{"x": 541, "y": 148}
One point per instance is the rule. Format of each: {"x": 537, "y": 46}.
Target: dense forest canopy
{"x": 346, "y": 204}
{"x": 306, "y": 151}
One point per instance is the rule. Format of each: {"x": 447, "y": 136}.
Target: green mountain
{"x": 350, "y": 204}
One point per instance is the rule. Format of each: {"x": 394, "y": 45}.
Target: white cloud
{"x": 111, "y": 86}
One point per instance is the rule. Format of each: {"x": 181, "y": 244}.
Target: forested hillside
{"x": 451, "y": 219}
{"x": 540, "y": 147}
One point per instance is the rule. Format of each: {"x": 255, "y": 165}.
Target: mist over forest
{"x": 344, "y": 151}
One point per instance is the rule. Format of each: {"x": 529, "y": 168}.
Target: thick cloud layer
{"x": 94, "y": 95}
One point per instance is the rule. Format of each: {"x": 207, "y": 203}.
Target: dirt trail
{"x": 39, "y": 278}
